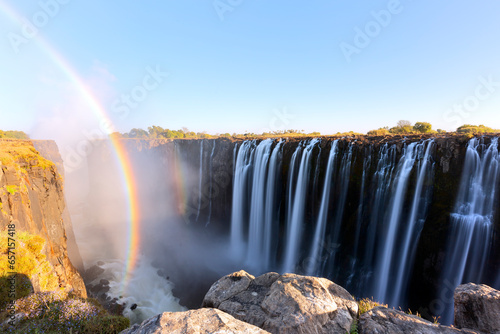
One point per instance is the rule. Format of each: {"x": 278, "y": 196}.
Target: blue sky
{"x": 251, "y": 65}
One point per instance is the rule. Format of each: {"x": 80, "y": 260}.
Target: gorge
{"x": 401, "y": 219}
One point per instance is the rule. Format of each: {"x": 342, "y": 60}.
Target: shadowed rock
{"x": 477, "y": 306}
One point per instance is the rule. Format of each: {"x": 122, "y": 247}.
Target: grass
{"x": 55, "y": 312}
{"x": 17, "y": 151}
{"x": 366, "y": 304}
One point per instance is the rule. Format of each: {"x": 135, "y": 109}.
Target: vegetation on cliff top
{"x": 12, "y": 152}
{"x": 403, "y": 127}
{"x": 13, "y": 134}
{"x": 49, "y": 309}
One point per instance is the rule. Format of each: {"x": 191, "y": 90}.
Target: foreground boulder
{"x": 477, "y": 306}
{"x": 202, "y": 321}
{"x": 284, "y": 304}
{"x": 381, "y": 320}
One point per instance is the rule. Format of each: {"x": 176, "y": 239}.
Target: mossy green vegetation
{"x": 12, "y": 189}
{"x": 13, "y": 152}
{"x": 29, "y": 261}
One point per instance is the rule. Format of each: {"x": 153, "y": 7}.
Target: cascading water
{"x": 344, "y": 177}
{"x": 240, "y": 198}
{"x": 258, "y": 203}
{"x": 210, "y": 192}
{"x": 471, "y": 222}
{"x": 319, "y": 234}
{"x": 415, "y": 222}
{"x": 296, "y": 210}
{"x": 200, "y": 181}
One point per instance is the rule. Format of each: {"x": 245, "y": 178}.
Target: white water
{"x": 200, "y": 180}
{"x": 471, "y": 223}
{"x": 239, "y": 214}
{"x": 344, "y": 177}
{"x": 294, "y": 225}
{"x": 319, "y": 233}
{"x": 151, "y": 292}
{"x": 413, "y": 226}
{"x": 405, "y": 167}
{"x": 271, "y": 216}
{"x": 258, "y": 203}
{"x": 211, "y": 178}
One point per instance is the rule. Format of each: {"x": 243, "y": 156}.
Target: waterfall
{"x": 344, "y": 177}
{"x": 200, "y": 180}
{"x": 359, "y": 219}
{"x": 382, "y": 181}
{"x": 414, "y": 225}
{"x": 387, "y": 254}
{"x": 297, "y": 208}
{"x": 271, "y": 210}
{"x": 211, "y": 178}
{"x": 471, "y": 222}
{"x": 258, "y": 202}
{"x": 319, "y": 233}
{"x": 240, "y": 198}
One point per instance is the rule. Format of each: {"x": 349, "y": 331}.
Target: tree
{"x": 403, "y": 124}
{"x": 422, "y": 127}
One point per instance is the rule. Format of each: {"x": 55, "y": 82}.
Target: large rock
{"x": 381, "y": 320}
{"x": 32, "y": 199}
{"x": 477, "y": 306}
{"x": 202, "y": 321}
{"x": 284, "y": 304}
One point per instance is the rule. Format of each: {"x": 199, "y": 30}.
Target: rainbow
{"x": 119, "y": 147}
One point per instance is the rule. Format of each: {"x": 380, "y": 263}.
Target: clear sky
{"x": 249, "y": 65}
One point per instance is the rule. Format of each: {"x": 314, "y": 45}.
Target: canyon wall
{"x": 32, "y": 198}
{"x": 380, "y": 216}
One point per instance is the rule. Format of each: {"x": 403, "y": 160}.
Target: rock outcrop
{"x": 284, "y": 304}
{"x": 381, "y": 320}
{"x": 477, "y": 307}
{"x": 202, "y": 321}
{"x": 32, "y": 198}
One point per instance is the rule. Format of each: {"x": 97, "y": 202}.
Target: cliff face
{"x": 32, "y": 198}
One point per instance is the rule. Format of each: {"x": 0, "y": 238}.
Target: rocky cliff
{"x": 32, "y": 199}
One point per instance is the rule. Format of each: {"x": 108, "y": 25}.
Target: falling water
{"x": 405, "y": 167}
{"x": 344, "y": 177}
{"x": 414, "y": 224}
{"x": 471, "y": 222}
{"x": 271, "y": 210}
{"x": 211, "y": 178}
{"x": 240, "y": 198}
{"x": 258, "y": 201}
{"x": 319, "y": 234}
{"x": 294, "y": 224}
{"x": 200, "y": 180}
